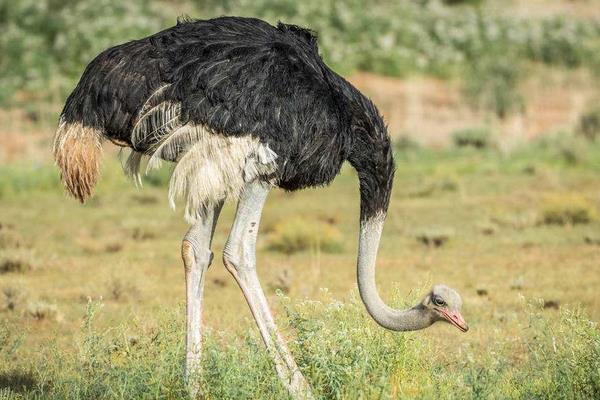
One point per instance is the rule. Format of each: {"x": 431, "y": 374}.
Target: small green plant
{"x": 567, "y": 209}
{"x": 297, "y": 234}
{"x": 478, "y": 138}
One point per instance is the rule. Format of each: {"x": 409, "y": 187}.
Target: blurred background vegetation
{"x": 45, "y": 44}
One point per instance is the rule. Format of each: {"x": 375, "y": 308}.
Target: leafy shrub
{"x": 589, "y": 125}
{"x": 555, "y": 41}
{"x": 568, "y": 209}
{"x": 478, "y": 138}
{"x": 47, "y": 43}
{"x": 492, "y": 84}
{"x": 297, "y": 234}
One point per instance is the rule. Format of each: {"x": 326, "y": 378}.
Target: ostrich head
{"x": 443, "y": 304}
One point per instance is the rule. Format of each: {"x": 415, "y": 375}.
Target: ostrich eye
{"x": 438, "y": 301}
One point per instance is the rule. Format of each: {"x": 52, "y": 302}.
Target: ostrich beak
{"x": 455, "y": 318}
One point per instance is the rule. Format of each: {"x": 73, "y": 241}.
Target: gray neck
{"x": 412, "y": 319}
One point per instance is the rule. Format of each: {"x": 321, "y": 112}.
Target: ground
{"x": 490, "y": 210}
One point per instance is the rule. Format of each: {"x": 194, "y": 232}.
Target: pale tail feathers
{"x": 77, "y": 150}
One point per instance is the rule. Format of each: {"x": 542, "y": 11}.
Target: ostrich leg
{"x": 240, "y": 260}
{"x": 197, "y": 256}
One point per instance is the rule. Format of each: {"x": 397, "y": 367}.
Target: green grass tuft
{"x": 568, "y": 209}
{"x": 297, "y": 234}
{"x": 478, "y": 138}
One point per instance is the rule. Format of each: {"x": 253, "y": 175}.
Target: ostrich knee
{"x": 234, "y": 263}
{"x": 194, "y": 254}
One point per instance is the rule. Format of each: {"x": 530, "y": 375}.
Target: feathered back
{"x": 232, "y": 78}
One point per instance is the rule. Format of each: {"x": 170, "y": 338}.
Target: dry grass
{"x": 43, "y": 310}
{"x": 17, "y": 261}
{"x": 9, "y": 238}
{"x": 493, "y": 271}
{"x": 12, "y": 298}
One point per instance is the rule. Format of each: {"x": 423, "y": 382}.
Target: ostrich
{"x": 240, "y": 106}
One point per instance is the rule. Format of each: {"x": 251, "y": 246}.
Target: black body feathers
{"x": 236, "y": 77}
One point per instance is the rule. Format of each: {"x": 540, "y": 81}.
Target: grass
{"x": 295, "y": 234}
{"x": 475, "y": 137}
{"x": 16, "y": 260}
{"x": 568, "y": 209}
{"x": 529, "y": 289}
{"x": 341, "y": 352}
{"x": 41, "y": 310}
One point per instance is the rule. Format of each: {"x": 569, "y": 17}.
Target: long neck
{"x": 397, "y": 320}
{"x": 372, "y": 157}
